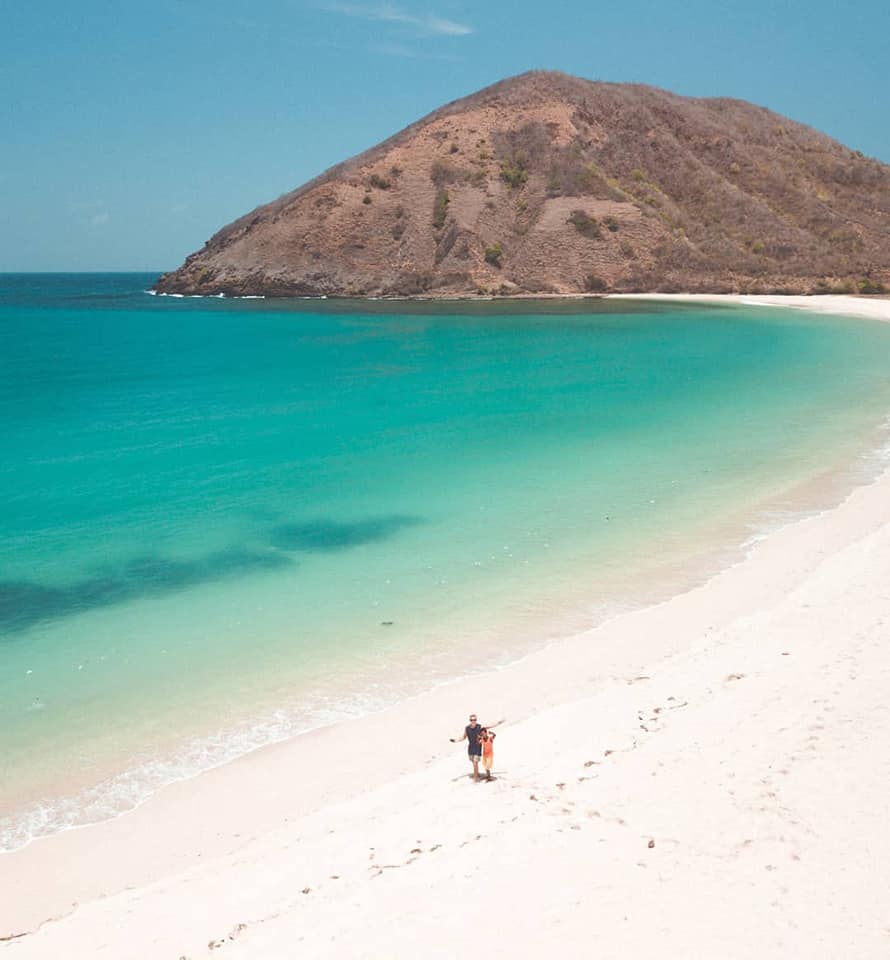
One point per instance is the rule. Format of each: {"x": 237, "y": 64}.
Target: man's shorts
{"x": 474, "y": 756}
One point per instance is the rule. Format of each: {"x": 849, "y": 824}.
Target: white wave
{"x": 202, "y": 296}
{"x": 126, "y": 791}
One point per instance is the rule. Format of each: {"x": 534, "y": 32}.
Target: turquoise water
{"x": 223, "y": 522}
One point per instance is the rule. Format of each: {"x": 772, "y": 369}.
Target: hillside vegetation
{"x": 546, "y": 183}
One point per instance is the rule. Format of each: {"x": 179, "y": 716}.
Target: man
{"x": 472, "y": 733}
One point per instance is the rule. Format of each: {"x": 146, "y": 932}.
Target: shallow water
{"x": 226, "y": 521}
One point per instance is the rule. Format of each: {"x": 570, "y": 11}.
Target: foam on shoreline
{"x": 207, "y": 296}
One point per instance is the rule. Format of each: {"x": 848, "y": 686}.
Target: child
{"x": 487, "y": 739}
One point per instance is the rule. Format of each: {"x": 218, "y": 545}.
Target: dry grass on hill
{"x": 552, "y": 184}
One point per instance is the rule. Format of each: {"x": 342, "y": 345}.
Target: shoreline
{"x": 866, "y": 307}
{"x": 681, "y": 566}
{"x": 268, "y": 805}
{"x": 553, "y": 598}
{"x": 847, "y": 304}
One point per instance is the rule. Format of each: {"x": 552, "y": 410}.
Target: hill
{"x": 547, "y": 183}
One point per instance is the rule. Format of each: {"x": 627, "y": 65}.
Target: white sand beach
{"x": 872, "y": 308}
{"x": 703, "y": 778}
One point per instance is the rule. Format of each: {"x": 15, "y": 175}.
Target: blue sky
{"x": 130, "y": 132}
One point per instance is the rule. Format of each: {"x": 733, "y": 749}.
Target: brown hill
{"x": 550, "y": 183}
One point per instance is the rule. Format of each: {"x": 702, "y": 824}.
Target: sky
{"x": 130, "y": 132}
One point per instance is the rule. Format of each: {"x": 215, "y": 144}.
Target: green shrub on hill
{"x": 494, "y": 253}
{"x": 585, "y": 224}
{"x": 514, "y": 173}
{"x": 440, "y": 209}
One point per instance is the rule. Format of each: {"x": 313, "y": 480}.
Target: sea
{"x": 225, "y": 522}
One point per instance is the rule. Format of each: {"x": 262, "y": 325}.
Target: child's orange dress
{"x": 488, "y": 754}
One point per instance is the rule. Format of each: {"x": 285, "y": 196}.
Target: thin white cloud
{"x": 387, "y": 13}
